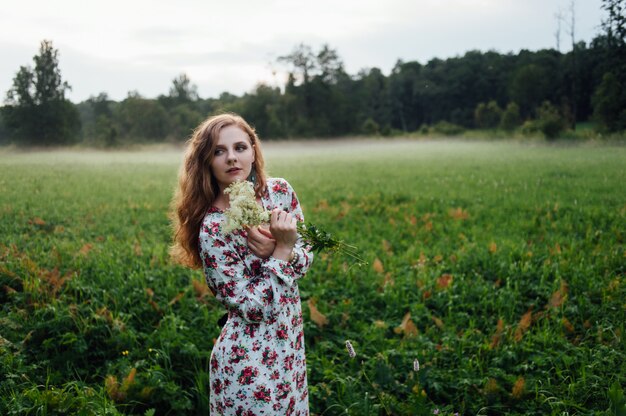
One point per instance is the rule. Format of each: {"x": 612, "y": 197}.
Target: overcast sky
{"x": 117, "y": 46}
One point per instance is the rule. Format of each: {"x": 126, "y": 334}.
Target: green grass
{"x": 507, "y": 258}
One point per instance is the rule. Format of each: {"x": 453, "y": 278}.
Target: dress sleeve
{"x": 288, "y": 201}
{"x": 249, "y": 292}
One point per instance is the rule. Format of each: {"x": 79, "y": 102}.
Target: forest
{"x": 544, "y": 92}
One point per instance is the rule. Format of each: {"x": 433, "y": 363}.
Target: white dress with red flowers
{"x": 258, "y": 365}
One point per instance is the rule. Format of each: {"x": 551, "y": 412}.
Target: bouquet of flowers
{"x": 244, "y": 211}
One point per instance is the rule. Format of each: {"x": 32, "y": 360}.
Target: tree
{"x": 609, "y": 99}
{"x": 510, "y": 117}
{"x": 182, "y": 90}
{"x": 303, "y": 61}
{"x": 374, "y": 99}
{"x": 488, "y": 115}
{"x": 36, "y": 110}
{"x": 549, "y": 121}
{"x": 96, "y": 116}
{"x": 609, "y": 104}
{"x": 330, "y": 65}
{"x": 530, "y": 86}
{"x": 263, "y": 108}
{"x": 615, "y": 25}
{"x": 142, "y": 119}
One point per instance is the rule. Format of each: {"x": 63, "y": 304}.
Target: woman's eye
{"x": 241, "y": 148}
{"x": 219, "y": 152}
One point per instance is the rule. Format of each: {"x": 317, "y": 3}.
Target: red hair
{"x": 197, "y": 187}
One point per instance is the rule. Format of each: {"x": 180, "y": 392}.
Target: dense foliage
{"x": 36, "y": 110}
{"x": 321, "y": 100}
{"x": 499, "y": 266}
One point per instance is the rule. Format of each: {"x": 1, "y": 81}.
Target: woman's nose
{"x": 232, "y": 156}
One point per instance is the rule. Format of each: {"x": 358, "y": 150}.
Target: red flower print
{"x": 209, "y": 262}
{"x": 241, "y": 249}
{"x": 250, "y": 330}
{"x": 280, "y": 187}
{"x": 290, "y": 407}
{"x": 288, "y": 362}
{"x": 268, "y": 296}
{"x": 248, "y": 375}
{"x": 241, "y": 412}
{"x": 238, "y": 353}
{"x": 294, "y": 201}
{"x": 287, "y": 269}
{"x": 254, "y": 314}
{"x": 281, "y": 332}
{"x": 269, "y": 357}
{"x": 227, "y": 290}
{"x": 300, "y": 379}
{"x": 262, "y": 393}
{"x": 298, "y": 343}
{"x": 214, "y": 228}
{"x": 231, "y": 257}
{"x": 217, "y": 386}
{"x": 283, "y": 390}
{"x": 255, "y": 266}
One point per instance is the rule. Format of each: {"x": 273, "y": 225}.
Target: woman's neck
{"x": 221, "y": 201}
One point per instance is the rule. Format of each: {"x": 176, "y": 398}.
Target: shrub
{"x": 487, "y": 115}
{"x": 510, "y": 118}
{"x": 550, "y": 122}
{"x": 530, "y": 128}
{"x": 447, "y": 129}
{"x": 370, "y": 127}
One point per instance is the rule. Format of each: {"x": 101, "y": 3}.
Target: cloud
{"x": 231, "y": 46}
{"x": 159, "y": 34}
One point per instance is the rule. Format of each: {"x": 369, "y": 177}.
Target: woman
{"x": 258, "y": 364}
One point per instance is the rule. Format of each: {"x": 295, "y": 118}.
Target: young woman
{"x": 258, "y": 364}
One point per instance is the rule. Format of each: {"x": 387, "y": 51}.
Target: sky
{"x": 142, "y": 45}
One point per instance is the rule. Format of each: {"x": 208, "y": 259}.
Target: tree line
{"x": 543, "y": 91}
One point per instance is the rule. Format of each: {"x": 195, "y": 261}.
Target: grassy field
{"x": 500, "y": 266}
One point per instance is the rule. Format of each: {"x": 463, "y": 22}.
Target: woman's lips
{"x": 236, "y": 170}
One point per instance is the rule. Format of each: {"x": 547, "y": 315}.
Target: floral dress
{"x": 257, "y": 365}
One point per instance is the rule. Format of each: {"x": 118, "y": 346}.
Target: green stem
{"x": 380, "y": 397}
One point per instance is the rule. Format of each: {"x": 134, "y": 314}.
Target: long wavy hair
{"x": 198, "y": 188}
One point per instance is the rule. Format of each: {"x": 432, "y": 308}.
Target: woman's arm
{"x": 250, "y": 292}
{"x": 302, "y": 255}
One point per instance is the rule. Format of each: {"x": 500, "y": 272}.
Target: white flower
{"x": 416, "y": 365}
{"x": 243, "y": 211}
{"x": 350, "y": 349}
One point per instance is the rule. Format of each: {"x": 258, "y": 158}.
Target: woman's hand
{"x": 261, "y": 242}
{"x": 283, "y": 227}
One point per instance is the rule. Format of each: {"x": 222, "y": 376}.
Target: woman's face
{"x": 233, "y": 156}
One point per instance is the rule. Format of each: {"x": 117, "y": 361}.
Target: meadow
{"x": 499, "y": 266}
